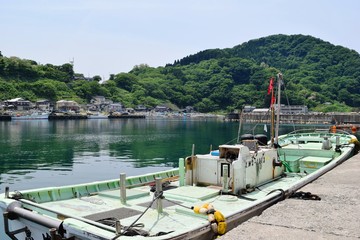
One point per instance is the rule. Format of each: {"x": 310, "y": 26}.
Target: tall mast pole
{"x": 272, "y": 128}
{"x": 279, "y": 81}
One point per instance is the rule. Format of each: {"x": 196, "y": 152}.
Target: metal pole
{"x": 272, "y": 129}
{"x": 118, "y": 227}
{"x": 225, "y": 187}
{"x": 239, "y": 129}
{"x": 16, "y": 207}
{"x": 53, "y": 233}
{"x": 7, "y": 190}
{"x": 181, "y": 172}
{"x": 123, "y": 188}
{"x": 157, "y": 193}
{"x": 279, "y": 77}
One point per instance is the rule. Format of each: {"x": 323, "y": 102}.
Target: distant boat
{"x": 36, "y": 115}
{"x": 206, "y": 196}
{"x": 124, "y": 115}
{"x": 96, "y": 115}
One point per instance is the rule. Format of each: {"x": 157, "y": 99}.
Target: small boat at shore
{"x": 96, "y": 115}
{"x": 206, "y": 196}
{"x": 34, "y": 115}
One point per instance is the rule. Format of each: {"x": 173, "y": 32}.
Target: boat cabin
{"x": 235, "y": 168}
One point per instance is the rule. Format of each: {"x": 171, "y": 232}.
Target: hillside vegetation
{"x": 316, "y": 73}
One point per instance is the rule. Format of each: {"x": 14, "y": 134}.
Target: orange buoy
{"x": 333, "y": 129}
{"x": 353, "y": 129}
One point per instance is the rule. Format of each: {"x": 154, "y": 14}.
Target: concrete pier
{"x": 335, "y": 216}
{"x": 305, "y": 118}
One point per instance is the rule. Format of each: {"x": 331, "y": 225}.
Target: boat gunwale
{"x": 91, "y": 188}
{"x": 317, "y": 131}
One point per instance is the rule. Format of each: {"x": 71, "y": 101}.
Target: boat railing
{"x": 317, "y": 130}
{"x": 79, "y": 190}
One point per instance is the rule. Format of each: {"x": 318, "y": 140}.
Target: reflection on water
{"x": 43, "y": 153}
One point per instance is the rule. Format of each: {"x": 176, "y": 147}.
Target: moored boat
{"x": 96, "y": 115}
{"x": 34, "y": 115}
{"x": 206, "y": 196}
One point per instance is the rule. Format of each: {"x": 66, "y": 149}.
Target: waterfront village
{"x": 100, "y": 107}
{"x": 19, "y": 107}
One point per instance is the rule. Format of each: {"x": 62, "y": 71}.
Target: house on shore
{"x": 43, "y": 105}
{"x": 161, "y": 108}
{"x": 115, "y": 107}
{"x": 17, "y": 104}
{"x": 67, "y": 106}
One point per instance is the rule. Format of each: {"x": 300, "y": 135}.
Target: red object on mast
{"x": 271, "y": 90}
{"x": 273, "y": 99}
{"x": 271, "y": 85}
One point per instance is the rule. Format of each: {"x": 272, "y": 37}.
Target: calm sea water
{"x": 41, "y": 153}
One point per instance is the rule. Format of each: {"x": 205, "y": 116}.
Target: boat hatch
{"x": 310, "y": 164}
{"x": 118, "y": 213}
{"x": 191, "y": 193}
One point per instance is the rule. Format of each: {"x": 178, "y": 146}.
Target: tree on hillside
{"x": 125, "y": 81}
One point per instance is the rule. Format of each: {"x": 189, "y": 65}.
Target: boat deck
{"x": 106, "y": 206}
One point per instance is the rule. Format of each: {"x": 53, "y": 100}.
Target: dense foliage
{"x": 316, "y": 73}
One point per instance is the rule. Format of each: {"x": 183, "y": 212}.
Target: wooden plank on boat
{"x": 191, "y": 193}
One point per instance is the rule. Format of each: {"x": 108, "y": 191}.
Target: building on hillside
{"x": 189, "y": 109}
{"x": 293, "y": 109}
{"x": 260, "y": 110}
{"x": 284, "y": 109}
{"x": 67, "y": 106}
{"x": 115, "y": 107}
{"x": 18, "y": 104}
{"x": 98, "y": 100}
{"x": 43, "y": 105}
{"x": 249, "y": 108}
{"x": 140, "y": 108}
{"x": 161, "y": 109}
{"x": 99, "y": 103}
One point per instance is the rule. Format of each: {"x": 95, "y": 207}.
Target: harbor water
{"x": 42, "y": 153}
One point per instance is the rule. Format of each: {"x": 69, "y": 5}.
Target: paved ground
{"x": 336, "y": 216}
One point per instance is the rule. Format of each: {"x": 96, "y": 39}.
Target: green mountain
{"x": 316, "y": 73}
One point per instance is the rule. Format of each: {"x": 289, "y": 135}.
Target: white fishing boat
{"x": 33, "y": 115}
{"x": 206, "y": 196}
{"x": 96, "y": 115}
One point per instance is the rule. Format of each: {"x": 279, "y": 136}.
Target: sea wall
{"x": 310, "y": 118}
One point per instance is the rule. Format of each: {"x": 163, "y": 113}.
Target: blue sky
{"x": 111, "y": 36}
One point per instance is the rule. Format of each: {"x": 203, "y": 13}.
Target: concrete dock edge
{"x": 335, "y": 216}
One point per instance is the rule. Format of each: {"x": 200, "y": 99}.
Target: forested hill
{"x": 316, "y": 73}
{"x": 317, "y": 70}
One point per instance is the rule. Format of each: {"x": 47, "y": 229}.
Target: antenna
{"x": 280, "y": 79}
